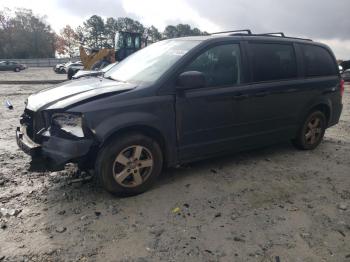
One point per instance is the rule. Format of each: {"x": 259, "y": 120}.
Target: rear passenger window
{"x": 220, "y": 65}
{"x": 318, "y": 61}
{"x": 273, "y": 62}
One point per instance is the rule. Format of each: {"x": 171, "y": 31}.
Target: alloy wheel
{"x": 132, "y": 166}
{"x": 313, "y": 132}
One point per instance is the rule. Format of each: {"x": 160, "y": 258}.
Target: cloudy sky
{"x": 322, "y": 20}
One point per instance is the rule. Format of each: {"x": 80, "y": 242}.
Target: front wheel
{"x": 129, "y": 165}
{"x": 311, "y": 132}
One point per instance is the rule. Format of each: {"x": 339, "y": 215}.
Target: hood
{"x": 69, "y": 93}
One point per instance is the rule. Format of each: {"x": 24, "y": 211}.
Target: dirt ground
{"x": 273, "y": 204}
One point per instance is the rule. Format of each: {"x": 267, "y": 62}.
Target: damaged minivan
{"x": 182, "y": 100}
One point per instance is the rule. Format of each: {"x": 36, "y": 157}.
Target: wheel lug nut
{"x": 135, "y": 171}
{"x": 128, "y": 170}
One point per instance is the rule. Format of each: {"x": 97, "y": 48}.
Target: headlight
{"x": 69, "y": 123}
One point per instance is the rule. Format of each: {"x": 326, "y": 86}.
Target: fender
{"x": 116, "y": 123}
{"x": 317, "y": 101}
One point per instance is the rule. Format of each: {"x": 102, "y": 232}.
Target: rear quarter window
{"x": 271, "y": 61}
{"x": 318, "y": 61}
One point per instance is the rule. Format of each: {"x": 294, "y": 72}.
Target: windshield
{"x": 150, "y": 63}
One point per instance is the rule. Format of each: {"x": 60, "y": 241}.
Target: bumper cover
{"x": 26, "y": 144}
{"x": 58, "y": 150}
{"x": 337, "y": 110}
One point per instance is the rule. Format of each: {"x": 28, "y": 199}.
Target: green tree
{"x": 152, "y": 34}
{"x": 95, "y": 32}
{"x": 170, "y": 32}
{"x": 81, "y": 34}
{"x": 129, "y": 25}
{"x": 111, "y": 28}
{"x": 181, "y": 30}
{"x": 25, "y": 35}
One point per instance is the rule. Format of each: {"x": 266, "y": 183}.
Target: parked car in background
{"x": 185, "y": 99}
{"x": 92, "y": 73}
{"x": 59, "y": 68}
{"x": 63, "y": 68}
{"x": 71, "y": 69}
{"x": 346, "y": 75}
{"x": 11, "y": 66}
{"x": 340, "y": 69}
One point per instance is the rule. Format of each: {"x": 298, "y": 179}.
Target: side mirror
{"x": 191, "y": 80}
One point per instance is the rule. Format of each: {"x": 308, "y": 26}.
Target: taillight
{"x": 342, "y": 87}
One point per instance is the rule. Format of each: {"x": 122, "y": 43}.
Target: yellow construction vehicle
{"x": 95, "y": 56}
{"x": 126, "y": 43}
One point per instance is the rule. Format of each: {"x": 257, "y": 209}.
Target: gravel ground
{"x": 32, "y": 73}
{"x": 272, "y": 204}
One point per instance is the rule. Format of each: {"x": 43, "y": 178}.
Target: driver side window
{"x": 220, "y": 65}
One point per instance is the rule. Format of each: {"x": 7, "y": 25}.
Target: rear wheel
{"x": 311, "y": 132}
{"x": 129, "y": 165}
{"x": 17, "y": 69}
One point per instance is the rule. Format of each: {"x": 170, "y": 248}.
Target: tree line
{"x": 97, "y": 32}
{"x": 26, "y": 35}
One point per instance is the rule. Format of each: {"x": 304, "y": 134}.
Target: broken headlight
{"x": 69, "y": 123}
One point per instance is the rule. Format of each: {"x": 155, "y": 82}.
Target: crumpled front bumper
{"x": 57, "y": 150}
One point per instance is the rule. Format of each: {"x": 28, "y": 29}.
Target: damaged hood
{"x": 72, "y": 92}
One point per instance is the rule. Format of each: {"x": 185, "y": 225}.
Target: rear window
{"x": 318, "y": 61}
{"x": 273, "y": 62}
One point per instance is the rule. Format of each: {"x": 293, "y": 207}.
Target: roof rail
{"x": 274, "y": 34}
{"x": 248, "y": 31}
{"x": 281, "y": 34}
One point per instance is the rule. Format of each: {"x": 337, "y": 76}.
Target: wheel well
{"x": 144, "y": 130}
{"x": 324, "y": 109}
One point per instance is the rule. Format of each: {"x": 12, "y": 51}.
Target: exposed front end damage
{"x": 53, "y": 132}
{"x": 54, "y": 138}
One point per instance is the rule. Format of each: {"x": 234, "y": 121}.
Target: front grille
{"x": 33, "y": 122}
{"x": 27, "y": 119}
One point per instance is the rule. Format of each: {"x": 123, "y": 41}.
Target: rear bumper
{"x": 335, "y": 115}
{"x": 58, "y": 151}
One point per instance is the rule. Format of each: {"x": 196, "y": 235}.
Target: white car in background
{"x": 63, "y": 68}
{"x": 340, "y": 69}
{"x": 91, "y": 73}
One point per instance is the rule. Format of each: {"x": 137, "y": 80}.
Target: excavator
{"x": 126, "y": 43}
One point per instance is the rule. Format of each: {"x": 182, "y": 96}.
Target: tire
{"x": 311, "y": 132}
{"x": 119, "y": 172}
{"x": 17, "y": 69}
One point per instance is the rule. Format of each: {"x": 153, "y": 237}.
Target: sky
{"x": 322, "y": 20}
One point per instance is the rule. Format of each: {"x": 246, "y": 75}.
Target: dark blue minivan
{"x": 186, "y": 99}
